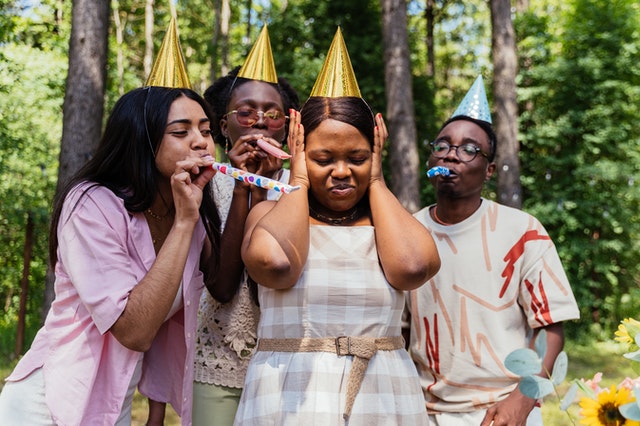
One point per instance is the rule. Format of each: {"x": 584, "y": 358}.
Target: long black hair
{"x": 124, "y": 161}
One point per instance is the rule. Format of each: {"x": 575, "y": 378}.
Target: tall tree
{"x": 84, "y": 97}
{"x": 403, "y": 150}
{"x": 505, "y": 69}
{"x": 581, "y": 153}
{"x": 119, "y": 30}
{"x": 220, "y": 39}
{"x": 149, "y": 25}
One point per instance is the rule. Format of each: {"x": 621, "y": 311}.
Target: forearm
{"x": 408, "y": 254}
{"x": 224, "y": 285}
{"x": 555, "y": 344}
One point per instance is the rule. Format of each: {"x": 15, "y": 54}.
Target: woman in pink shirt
{"x": 134, "y": 235}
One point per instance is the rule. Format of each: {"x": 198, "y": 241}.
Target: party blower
{"x": 438, "y": 170}
{"x": 254, "y": 179}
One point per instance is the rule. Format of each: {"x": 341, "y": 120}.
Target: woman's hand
{"x": 187, "y": 183}
{"x": 379, "y": 139}
{"x": 245, "y": 155}
{"x": 268, "y": 165}
{"x": 296, "y": 149}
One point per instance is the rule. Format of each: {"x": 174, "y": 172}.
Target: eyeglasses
{"x": 465, "y": 152}
{"x": 248, "y": 117}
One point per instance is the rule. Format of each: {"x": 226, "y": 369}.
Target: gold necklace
{"x": 335, "y": 220}
{"x": 159, "y": 217}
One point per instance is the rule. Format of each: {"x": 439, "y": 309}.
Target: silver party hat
{"x": 475, "y": 103}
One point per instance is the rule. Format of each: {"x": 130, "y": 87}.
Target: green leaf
{"x": 586, "y": 389}
{"x": 569, "y": 397}
{"x": 633, "y": 356}
{"x": 535, "y": 387}
{"x": 523, "y": 362}
{"x": 631, "y": 411}
{"x": 541, "y": 343}
{"x": 560, "y": 368}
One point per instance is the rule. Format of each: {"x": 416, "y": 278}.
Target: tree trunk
{"x": 84, "y": 97}
{"x": 403, "y": 150}
{"x": 429, "y": 14}
{"x": 224, "y": 35}
{"x": 220, "y": 40}
{"x": 522, "y": 5}
{"x": 24, "y": 286}
{"x": 215, "y": 40}
{"x": 505, "y": 69}
{"x": 148, "y": 37}
{"x": 119, "y": 44}
{"x": 249, "y": 39}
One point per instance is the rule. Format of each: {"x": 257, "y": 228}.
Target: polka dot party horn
{"x": 253, "y": 179}
{"x": 438, "y": 170}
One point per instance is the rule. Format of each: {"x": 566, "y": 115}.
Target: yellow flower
{"x": 627, "y": 330}
{"x": 603, "y": 411}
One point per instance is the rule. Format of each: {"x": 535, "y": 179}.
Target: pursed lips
{"x": 341, "y": 188}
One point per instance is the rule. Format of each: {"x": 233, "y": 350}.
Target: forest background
{"x": 576, "y": 88}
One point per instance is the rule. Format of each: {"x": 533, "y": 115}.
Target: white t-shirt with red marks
{"x": 501, "y": 277}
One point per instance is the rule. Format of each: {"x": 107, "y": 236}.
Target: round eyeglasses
{"x": 248, "y": 117}
{"x": 465, "y": 152}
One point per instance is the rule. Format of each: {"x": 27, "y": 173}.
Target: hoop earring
{"x": 226, "y": 145}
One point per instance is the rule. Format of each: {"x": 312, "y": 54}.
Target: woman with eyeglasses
{"x": 246, "y": 111}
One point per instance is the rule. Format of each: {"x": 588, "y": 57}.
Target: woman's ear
{"x": 223, "y": 128}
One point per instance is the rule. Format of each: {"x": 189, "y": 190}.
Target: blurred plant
{"x": 527, "y": 364}
{"x": 618, "y": 405}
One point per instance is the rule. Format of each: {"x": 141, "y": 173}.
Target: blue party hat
{"x": 475, "y": 103}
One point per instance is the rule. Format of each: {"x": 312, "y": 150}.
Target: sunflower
{"x": 627, "y": 330}
{"x": 603, "y": 411}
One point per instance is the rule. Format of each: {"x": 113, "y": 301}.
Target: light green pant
{"x": 214, "y": 405}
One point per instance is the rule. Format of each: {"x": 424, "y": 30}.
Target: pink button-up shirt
{"x": 103, "y": 252}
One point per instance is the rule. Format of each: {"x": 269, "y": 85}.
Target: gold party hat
{"x": 336, "y": 79}
{"x": 259, "y": 63}
{"x": 169, "y": 69}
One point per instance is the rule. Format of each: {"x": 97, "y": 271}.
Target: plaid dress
{"x": 342, "y": 292}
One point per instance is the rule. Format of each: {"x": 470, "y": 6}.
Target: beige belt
{"x": 362, "y": 348}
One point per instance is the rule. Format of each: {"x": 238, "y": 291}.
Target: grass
{"x": 585, "y": 360}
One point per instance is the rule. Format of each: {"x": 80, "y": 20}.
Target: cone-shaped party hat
{"x": 169, "y": 69}
{"x": 259, "y": 64}
{"x": 475, "y": 103}
{"x": 336, "y": 78}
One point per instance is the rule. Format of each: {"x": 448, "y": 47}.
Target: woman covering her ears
{"x": 332, "y": 261}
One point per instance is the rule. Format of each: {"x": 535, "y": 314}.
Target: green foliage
{"x": 581, "y": 149}
{"x": 527, "y": 364}
{"x": 31, "y": 94}
{"x": 578, "y": 88}
{"x": 302, "y": 33}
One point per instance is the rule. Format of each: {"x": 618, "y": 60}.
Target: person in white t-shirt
{"x": 500, "y": 283}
